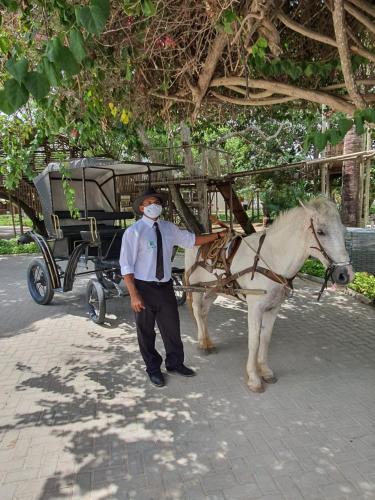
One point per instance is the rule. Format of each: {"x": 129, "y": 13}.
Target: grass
{"x": 12, "y": 247}
{"x": 313, "y": 267}
{"x": 6, "y": 220}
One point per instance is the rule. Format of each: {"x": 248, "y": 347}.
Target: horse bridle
{"x": 331, "y": 263}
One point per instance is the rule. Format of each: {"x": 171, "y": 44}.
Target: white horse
{"x": 314, "y": 229}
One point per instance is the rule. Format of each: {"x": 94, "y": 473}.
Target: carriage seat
{"x": 98, "y": 214}
{"x": 72, "y": 228}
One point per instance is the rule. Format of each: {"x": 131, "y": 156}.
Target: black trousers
{"x": 160, "y": 306}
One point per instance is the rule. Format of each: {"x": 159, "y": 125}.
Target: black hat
{"x": 150, "y": 192}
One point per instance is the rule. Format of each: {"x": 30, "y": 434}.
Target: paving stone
{"x": 78, "y": 418}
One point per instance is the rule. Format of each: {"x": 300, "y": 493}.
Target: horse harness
{"x": 221, "y": 257}
{"x": 331, "y": 263}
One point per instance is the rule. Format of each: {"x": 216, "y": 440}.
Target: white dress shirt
{"x": 139, "y": 247}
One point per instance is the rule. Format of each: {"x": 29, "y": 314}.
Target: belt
{"x": 154, "y": 283}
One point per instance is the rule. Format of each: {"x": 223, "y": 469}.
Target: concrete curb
{"x": 346, "y": 291}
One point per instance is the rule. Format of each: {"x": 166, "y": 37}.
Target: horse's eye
{"x": 321, "y": 232}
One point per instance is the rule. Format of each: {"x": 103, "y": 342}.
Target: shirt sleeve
{"x": 129, "y": 251}
{"x": 182, "y": 237}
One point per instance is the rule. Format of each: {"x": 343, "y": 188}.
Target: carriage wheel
{"x": 180, "y": 294}
{"x": 39, "y": 282}
{"x": 96, "y": 301}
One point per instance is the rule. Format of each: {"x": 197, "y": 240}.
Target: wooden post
{"x": 258, "y": 205}
{"x": 252, "y": 208}
{"x": 231, "y": 205}
{"x": 366, "y": 193}
{"x": 11, "y": 209}
{"x": 366, "y": 188}
{"x": 324, "y": 179}
{"x": 20, "y": 216}
{"x": 361, "y": 192}
{"x": 203, "y": 205}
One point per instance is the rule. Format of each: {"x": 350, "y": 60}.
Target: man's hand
{"x": 136, "y": 300}
{"x": 208, "y": 238}
{"x": 137, "y": 303}
{"x": 223, "y": 233}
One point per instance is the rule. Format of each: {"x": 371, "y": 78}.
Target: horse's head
{"x": 326, "y": 239}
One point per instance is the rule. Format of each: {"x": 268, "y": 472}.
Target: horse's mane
{"x": 320, "y": 204}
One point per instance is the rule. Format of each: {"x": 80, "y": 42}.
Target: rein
{"x": 228, "y": 280}
{"x": 331, "y": 263}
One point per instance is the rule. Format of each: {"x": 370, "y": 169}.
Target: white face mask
{"x": 153, "y": 211}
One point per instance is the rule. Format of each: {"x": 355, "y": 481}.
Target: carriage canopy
{"x": 93, "y": 180}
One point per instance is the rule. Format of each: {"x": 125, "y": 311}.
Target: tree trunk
{"x": 350, "y": 207}
{"x": 194, "y": 171}
{"x": 185, "y": 213}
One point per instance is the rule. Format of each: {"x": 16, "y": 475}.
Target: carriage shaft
{"x": 204, "y": 289}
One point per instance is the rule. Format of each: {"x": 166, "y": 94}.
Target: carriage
{"x": 90, "y": 236}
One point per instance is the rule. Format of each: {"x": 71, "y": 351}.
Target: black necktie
{"x": 159, "y": 254}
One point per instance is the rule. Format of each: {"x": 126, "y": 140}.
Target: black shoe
{"x": 157, "y": 379}
{"x": 182, "y": 370}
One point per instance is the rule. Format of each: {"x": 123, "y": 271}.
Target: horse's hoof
{"x": 208, "y": 350}
{"x": 256, "y": 388}
{"x": 270, "y": 380}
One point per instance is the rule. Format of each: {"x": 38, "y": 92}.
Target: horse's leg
{"x": 207, "y": 302}
{"x": 268, "y": 321}
{"x": 201, "y": 305}
{"x": 255, "y": 324}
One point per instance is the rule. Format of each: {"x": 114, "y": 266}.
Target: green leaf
{"x": 9, "y": 4}
{"x": 94, "y": 16}
{"x": 148, "y": 8}
{"x": 128, "y": 73}
{"x": 4, "y": 44}
{"x": 77, "y": 46}
{"x": 37, "y": 84}
{"x": 62, "y": 57}
{"x": 309, "y": 70}
{"x": 368, "y": 114}
{"x": 51, "y": 72}
{"x": 333, "y": 136}
{"x": 228, "y": 18}
{"x": 262, "y": 42}
{"x": 345, "y": 125}
{"x": 308, "y": 140}
{"x": 17, "y": 69}
{"x": 13, "y": 96}
{"x": 320, "y": 140}
{"x": 359, "y": 123}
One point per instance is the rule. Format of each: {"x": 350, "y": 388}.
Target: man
{"x": 146, "y": 264}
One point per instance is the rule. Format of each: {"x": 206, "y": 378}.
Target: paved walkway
{"x": 78, "y": 418}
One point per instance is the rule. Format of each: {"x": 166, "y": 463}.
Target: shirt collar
{"x": 148, "y": 221}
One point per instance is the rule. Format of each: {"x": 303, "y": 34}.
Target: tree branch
{"x": 298, "y": 28}
{"x": 258, "y": 95}
{"x": 302, "y": 30}
{"x": 170, "y": 97}
{"x": 365, "y": 6}
{"x": 360, "y": 17}
{"x": 293, "y": 92}
{"x": 250, "y": 102}
{"x": 338, "y": 17}
{"x": 342, "y": 85}
{"x": 213, "y": 56}
{"x": 247, "y": 129}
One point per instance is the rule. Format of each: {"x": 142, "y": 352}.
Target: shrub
{"x": 364, "y": 283}
{"x": 12, "y": 247}
{"x": 313, "y": 267}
